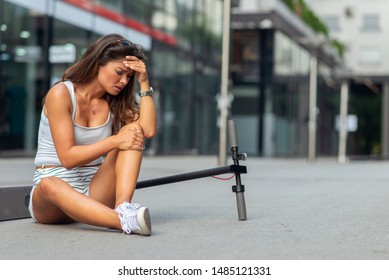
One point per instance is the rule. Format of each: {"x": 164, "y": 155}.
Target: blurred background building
{"x": 271, "y": 72}
{"x": 363, "y": 27}
{"x": 39, "y": 39}
{"x": 281, "y": 55}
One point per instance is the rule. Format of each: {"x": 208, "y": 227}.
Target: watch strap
{"x": 149, "y": 92}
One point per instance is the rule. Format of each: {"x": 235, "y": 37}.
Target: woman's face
{"x": 114, "y": 76}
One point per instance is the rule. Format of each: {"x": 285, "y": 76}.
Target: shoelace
{"x": 135, "y": 206}
{"x": 127, "y": 213}
{"x": 126, "y": 205}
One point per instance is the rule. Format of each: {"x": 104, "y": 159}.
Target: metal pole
{"x": 312, "y": 109}
{"x": 237, "y": 169}
{"x": 343, "y": 123}
{"x": 238, "y": 189}
{"x": 224, "y": 83}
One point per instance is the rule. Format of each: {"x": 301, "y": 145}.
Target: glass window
{"x": 245, "y": 58}
{"x": 370, "y": 55}
{"x": 158, "y": 3}
{"x": 290, "y": 58}
{"x": 138, "y": 10}
{"x": 371, "y": 23}
{"x": 65, "y": 36}
{"x": 170, "y": 7}
{"x": 20, "y": 75}
{"x": 185, "y": 28}
{"x": 332, "y": 23}
{"x": 188, "y": 4}
{"x": 164, "y": 17}
{"x": 115, "y": 5}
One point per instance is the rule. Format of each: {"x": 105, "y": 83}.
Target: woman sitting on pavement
{"x": 90, "y": 141}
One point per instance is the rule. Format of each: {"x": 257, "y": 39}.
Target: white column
{"x": 312, "y": 109}
{"x": 224, "y": 83}
{"x": 344, "y": 92}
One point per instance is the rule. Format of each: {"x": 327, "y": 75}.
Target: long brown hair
{"x": 108, "y": 48}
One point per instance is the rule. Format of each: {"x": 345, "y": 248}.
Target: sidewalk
{"x": 296, "y": 210}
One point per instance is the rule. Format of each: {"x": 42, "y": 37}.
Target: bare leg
{"x": 103, "y": 185}
{"x": 127, "y": 171}
{"x": 56, "y": 202}
{"x": 115, "y": 183}
{"x": 116, "y": 179}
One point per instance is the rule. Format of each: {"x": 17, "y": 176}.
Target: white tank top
{"x": 46, "y": 153}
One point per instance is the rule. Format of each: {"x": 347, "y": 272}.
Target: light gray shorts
{"x": 78, "y": 178}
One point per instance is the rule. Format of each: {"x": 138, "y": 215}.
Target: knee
{"x": 48, "y": 186}
{"x": 133, "y": 125}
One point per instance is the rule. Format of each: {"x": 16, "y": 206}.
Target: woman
{"x": 91, "y": 138}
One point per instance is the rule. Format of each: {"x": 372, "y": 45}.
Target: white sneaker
{"x": 134, "y": 218}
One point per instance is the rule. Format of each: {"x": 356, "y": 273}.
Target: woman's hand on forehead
{"x": 137, "y": 65}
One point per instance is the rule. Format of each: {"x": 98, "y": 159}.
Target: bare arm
{"x": 58, "y": 108}
{"x": 147, "y": 117}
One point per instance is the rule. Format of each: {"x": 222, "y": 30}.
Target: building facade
{"x": 274, "y": 82}
{"x": 363, "y": 27}
{"x": 39, "y": 39}
{"x": 277, "y": 67}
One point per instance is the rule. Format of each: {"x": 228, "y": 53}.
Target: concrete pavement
{"x": 296, "y": 210}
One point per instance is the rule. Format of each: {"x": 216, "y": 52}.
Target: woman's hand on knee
{"x": 131, "y": 137}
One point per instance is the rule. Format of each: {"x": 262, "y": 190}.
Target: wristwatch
{"x": 149, "y": 92}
